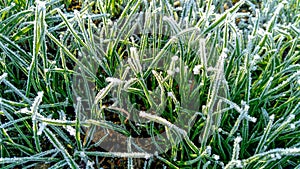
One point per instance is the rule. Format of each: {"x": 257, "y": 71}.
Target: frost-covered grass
{"x": 223, "y": 83}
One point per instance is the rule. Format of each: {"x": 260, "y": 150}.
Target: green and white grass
{"x": 257, "y": 125}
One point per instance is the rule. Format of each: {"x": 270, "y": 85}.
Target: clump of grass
{"x": 133, "y": 68}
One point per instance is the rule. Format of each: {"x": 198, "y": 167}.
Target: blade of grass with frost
{"x": 72, "y": 57}
{"x": 279, "y": 129}
{"x": 265, "y": 135}
{"x": 134, "y": 62}
{"x": 117, "y": 154}
{"x": 34, "y": 111}
{"x": 7, "y": 9}
{"x": 55, "y": 122}
{"x": 203, "y": 55}
{"x": 55, "y": 142}
{"x": 159, "y": 56}
{"x": 86, "y": 44}
{"x": 89, "y": 136}
{"x": 38, "y": 38}
{"x": 225, "y": 33}
{"x": 103, "y": 92}
{"x": 127, "y": 8}
{"x": 17, "y": 36}
{"x": 10, "y": 142}
{"x": 123, "y": 30}
{"x": 6, "y": 107}
{"x": 21, "y": 64}
{"x": 136, "y": 67}
{"x": 18, "y": 128}
{"x": 90, "y": 33}
{"x": 108, "y": 125}
{"x": 22, "y": 160}
{"x": 212, "y": 98}
{"x": 77, "y": 126}
{"x": 40, "y": 157}
{"x": 98, "y": 143}
{"x": 8, "y": 124}
{"x": 296, "y": 110}
{"x": 62, "y": 134}
{"x": 160, "y": 32}
{"x": 59, "y": 165}
{"x": 2, "y": 77}
{"x": 243, "y": 115}
{"x": 291, "y": 54}
{"x": 62, "y": 25}
{"x": 72, "y": 30}
{"x": 168, "y": 7}
{"x": 176, "y": 129}
{"x": 292, "y": 101}
{"x": 270, "y": 26}
{"x": 294, "y": 152}
{"x": 189, "y": 10}
{"x": 14, "y": 20}
{"x": 40, "y": 29}
{"x": 173, "y": 143}
{"x": 81, "y": 23}
{"x": 279, "y": 162}
{"x": 238, "y": 43}
{"x": 89, "y": 41}
{"x": 162, "y": 91}
{"x": 245, "y": 123}
{"x": 191, "y": 38}
{"x": 234, "y": 162}
{"x": 86, "y": 84}
{"x": 129, "y": 150}
{"x": 25, "y": 56}
{"x": 219, "y": 21}
{"x": 197, "y": 159}
{"x": 175, "y": 27}
{"x": 266, "y": 88}
{"x": 66, "y": 77}
{"x": 208, "y": 7}
{"x": 212, "y": 42}
{"x": 284, "y": 83}
{"x": 154, "y": 44}
{"x": 153, "y": 134}
{"x": 144, "y": 27}
{"x": 101, "y": 7}
{"x": 43, "y": 48}
{"x": 166, "y": 162}
{"x": 17, "y": 113}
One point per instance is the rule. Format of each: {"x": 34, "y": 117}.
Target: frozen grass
{"x": 246, "y": 84}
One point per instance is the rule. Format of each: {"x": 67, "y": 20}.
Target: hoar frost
{"x": 216, "y": 157}
{"x": 292, "y": 126}
{"x": 175, "y": 58}
{"x": 71, "y": 130}
{"x": 197, "y": 69}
